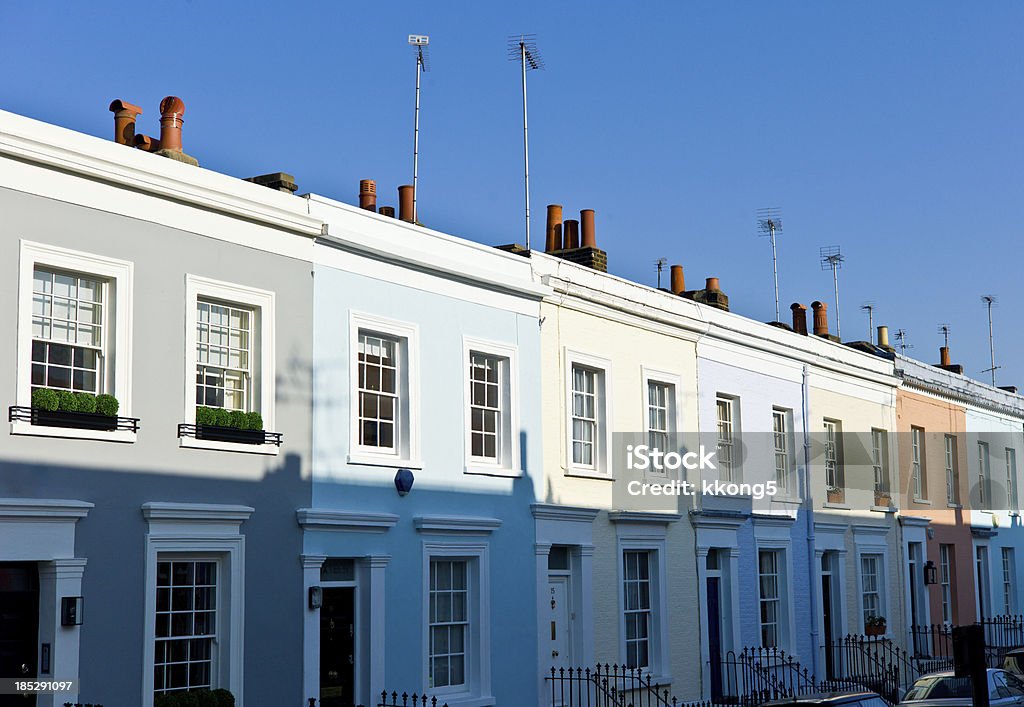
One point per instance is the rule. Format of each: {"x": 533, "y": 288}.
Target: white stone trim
{"x": 651, "y": 538}
{"x": 357, "y": 521}
{"x": 773, "y": 533}
{"x": 200, "y": 530}
{"x": 466, "y": 525}
{"x": 509, "y": 463}
{"x": 407, "y": 453}
{"x": 120, "y": 275}
{"x": 675, "y": 434}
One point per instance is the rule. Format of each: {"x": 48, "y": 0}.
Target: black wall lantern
{"x": 71, "y": 611}
{"x": 931, "y": 573}
{"x": 403, "y": 481}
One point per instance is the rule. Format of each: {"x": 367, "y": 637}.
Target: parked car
{"x": 1013, "y": 661}
{"x": 944, "y": 689}
{"x": 847, "y": 698}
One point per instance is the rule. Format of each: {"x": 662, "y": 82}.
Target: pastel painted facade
{"x": 118, "y": 268}
{"x": 611, "y": 350}
{"x": 434, "y": 590}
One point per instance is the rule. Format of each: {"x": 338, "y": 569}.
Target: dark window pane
{"x": 387, "y": 408}
{"x": 59, "y": 377}
{"x": 38, "y": 351}
{"x": 60, "y": 355}
{"x": 38, "y": 374}
{"x": 387, "y": 434}
{"x": 478, "y": 445}
{"x": 368, "y": 435}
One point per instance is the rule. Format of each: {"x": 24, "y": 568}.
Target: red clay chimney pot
{"x": 124, "y": 121}
{"x": 678, "y": 283}
{"x": 368, "y": 194}
{"x": 587, "y": 235}
{"x": 711, "y": 284}
{"x": 553, "y": 232}
{"x": 572, "y": 234}
{"x": 820, "y": 318}
{"x": 171, "y": 110}
{"x": 405, "y": 199}
{"x": 799, "y": 318}
{"x": 944, "y": 356}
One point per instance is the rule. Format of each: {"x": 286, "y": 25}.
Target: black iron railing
{"x": 71, "y": 420}
{"x": 392, "y": 699}
{"x": 606, "y": 686}
{"x": 229, "y": 434}
{"x": 758, "y": 675}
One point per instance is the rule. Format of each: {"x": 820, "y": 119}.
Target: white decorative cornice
{"x": 196, "y": 512}
{"x": 43, "y": 509}
{"x": 464, "y": 525}
{"x": 644, "y": 517}
{"x": 326, "y": 519}
{"x": 772, "y": 520}
{"x": 914, "y": 521}
{"x": 718, "y": 520}
{"x": 551, "y": 511}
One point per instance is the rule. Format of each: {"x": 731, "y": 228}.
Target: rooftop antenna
{"x": 870, "y": 307}
{"x": 901, "y": 338}
{"x": 832, "y": 259}
{"x": 990, "y": 302}
{"x": 660, "y": 264}
{"x": 769, "y": 221}
{"x": 419, "y": 42}
{"x": 944, "y": 330}
{"x": 523, "y": 48}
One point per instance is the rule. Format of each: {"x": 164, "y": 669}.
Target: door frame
{"x": 356, "y": 626}
{"x": 565, "y": 576}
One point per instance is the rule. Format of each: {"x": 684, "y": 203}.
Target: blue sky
{"x": 890, "y": 129}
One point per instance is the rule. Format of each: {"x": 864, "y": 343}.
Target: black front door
{"x": 826, "y": 611}
{"x": 337, "y": 648}
{"x": 715, "y": 637}
{"x": 19, "y": 626}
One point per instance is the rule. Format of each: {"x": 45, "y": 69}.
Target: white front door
{"x": 558, "y": 622}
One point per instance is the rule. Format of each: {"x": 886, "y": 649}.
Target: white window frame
{"x": 786, "y": 487}
{"x": 734, "y": 471}
{"x": 1009, "y": 570}
{"x": 781, "y": 592}
{"x": 984, "y": 476}
{"x": 407, "y": 433}
{"x": 1011, "y": 480}
{"x": 917, "y": 463}
{"x": 952, "y": 472}
{"x": 880, "y": 459}
{"x": 653, "y": 542}
{"x": 200, "y": 531}
{"x": 120, "y": 276}
{"x": 880, "y": 580}
{"x": 262, "y": 304}
{"x": 601, "y": 469}
{"x": 219, "y": 599}
{"x": 674, "y": 383}
{"x": 983, "y": 581}
{"x": 508, "y": 462}
{"x": 946, "y": 583}
{"x": 838, "y": 453}
{"x": 478, "y": 640}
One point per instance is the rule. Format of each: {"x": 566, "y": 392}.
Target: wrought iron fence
{"x": 758, "y": 675}
{"x": 606, "y": 686}
{"x": 387, "y": 699}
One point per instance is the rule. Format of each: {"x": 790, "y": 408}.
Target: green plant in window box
{"x": 45, "y": 399}
{"x": 107, "y": 405}
{"x": 236, "y": 419}
{"x": 196, "y": 698}
{"x": 66, "y": 401}
{"x": 253, "y": 421}
{"x": 65, "y": 408}
{"x": 874, "y": 625}
{"x": 86, "y": 402}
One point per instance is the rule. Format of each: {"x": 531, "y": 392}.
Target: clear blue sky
{"x": 891, "y": 129}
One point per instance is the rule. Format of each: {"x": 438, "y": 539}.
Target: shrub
{"x": 236, "y": 419}
{"x": 221, "y": 417}
{"x": 253, "y": 421}
{"x": 45, "y": 399}
{"x": 107, "y": 405}
{"x": 86, "y": 402}
{"x": 204, "y": 415}
{"x": 66, "y": 401}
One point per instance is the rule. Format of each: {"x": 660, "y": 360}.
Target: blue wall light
{"x": 403, "y": 481}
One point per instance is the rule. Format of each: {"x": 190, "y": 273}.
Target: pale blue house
{"x": 417, "y": 547}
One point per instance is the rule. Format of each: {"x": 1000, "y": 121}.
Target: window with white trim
{"x": 946, "y": 583}
{"x": 982, "y": 578}
{"x": 834, "y": 455}
{"x": 1009, "y": 581}
{"x": 769, "y": 568}
{"x": 384, "y": 392}
{"x": 880, "y": 459}
{"x": 69, "y": 343}
{"x": 74, "y": 331}
{"x": 952, "y": 473}
{"x": 1011, "y": 479}
{"x": 637, "y": 607}
{"x": 984, "y": 474}
{"x": 727, "y": 452}
{"x": 917, "y": 470}
{"x": 660, "y": 415}
{"x": 871, "y": 587}
{"x": 448, "y": 622}
{"x": 186, "y": 624}
{"x": 587, "y": 414}
{"x": 491, "y": 415}
{"x": 781, "y": 442}
{"x": 224, "y": 355}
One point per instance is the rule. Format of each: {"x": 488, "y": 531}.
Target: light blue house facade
{"x": 425, "y": 369}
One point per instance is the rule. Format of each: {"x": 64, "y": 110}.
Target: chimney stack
{"x": 553, "y": 232}
{"x": 588, "y": 237}
{"x": 388, "y": 211}
{"x": 572, "y": 234}
{"x": 124, "y": 122}
{"x": 678, "y": 283}
{"x": 368, "y": 194}
{"x": 799, "y": 318}
{"x": 278, "y": 181}
{"x": 820, "y": 318}
{"x": 405, "y": 199}
{"x": 944, "y": 356}
{"x": 171, "y": 110}
{"x": 883, "y": 338}
{"x": 711, "y": 284}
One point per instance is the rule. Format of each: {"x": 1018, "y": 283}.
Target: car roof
{"x": 824, "y": 698}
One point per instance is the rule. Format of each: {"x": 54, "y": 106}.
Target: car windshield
{"x": 939, "y": 688}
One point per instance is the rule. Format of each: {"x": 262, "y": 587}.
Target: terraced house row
{"x": 296, "y": 448}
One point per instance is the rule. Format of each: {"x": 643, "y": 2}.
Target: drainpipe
{"x": 809, "y": 516}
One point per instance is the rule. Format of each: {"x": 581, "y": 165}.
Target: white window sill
{"x": 192, "y": 443}
{"x": 922, "y": 501}
{"x": 837, "y": 506}
{"x": 390, "y": 460}
{"x": 783, "y": 498}
{"x": 584, "y": 473}
{"x": 27, "y": 428}
{"x": 484, "y": 469}
{"x": 883, "y": 509}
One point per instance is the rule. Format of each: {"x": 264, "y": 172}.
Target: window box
{"x": 72, "y": 420}
{"x": 216, "y": 433}
{"x": 883, "y": 499}
{"x": 874, "y": 630}
{"x": 835, "y": 495}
